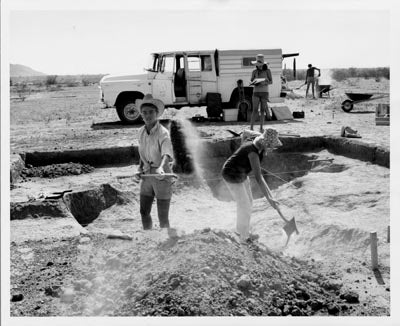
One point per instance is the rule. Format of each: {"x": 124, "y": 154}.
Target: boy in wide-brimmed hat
{"x": 155, "y": 150}
{"x": 235, "y": 173}
{"x": 260, "y": 91}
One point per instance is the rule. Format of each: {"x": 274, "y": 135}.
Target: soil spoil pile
{"x": 55, "y": 170}
{"x": 164, "y": 273}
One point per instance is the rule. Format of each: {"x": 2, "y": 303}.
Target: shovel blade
{"x": 290, "y": 227}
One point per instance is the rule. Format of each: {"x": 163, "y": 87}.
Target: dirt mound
{"x": 55, "y": 170}
{"x": 160, "y": 273}
{"x": 210, "y": 273}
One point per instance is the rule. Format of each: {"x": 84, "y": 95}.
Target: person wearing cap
{"x": 247, "y": 158}
{"x": 311, "y": 79}
{"x": 260, "y": 91}
{"x": 156, "y": 154}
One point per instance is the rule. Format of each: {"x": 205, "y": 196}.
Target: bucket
{"x": 231, "y": 114}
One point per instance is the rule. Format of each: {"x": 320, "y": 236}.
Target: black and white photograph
{"x": 202, "y": 161}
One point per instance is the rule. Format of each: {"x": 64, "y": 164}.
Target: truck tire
{"x": 128, "y": 113}
{"x": 244, "y": 106}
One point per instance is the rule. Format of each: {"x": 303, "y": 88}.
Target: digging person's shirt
{"x": 153, "y": 146}
{"x": 237, "y": 167}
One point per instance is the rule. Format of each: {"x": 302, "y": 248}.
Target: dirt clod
{"x": 333, "y": 309}
{"x": 350, "y": 297}
{"x": 17, "y": 297}
{"x": 244, "y": 282}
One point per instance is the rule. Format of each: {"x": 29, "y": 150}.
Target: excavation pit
{"x": 311, "y": 187}
{"x": 336, "y": 204}
{"x": 316, "y": 191}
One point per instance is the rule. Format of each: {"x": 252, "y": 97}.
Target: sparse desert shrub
{"x": 85, "y": 82}
{"x": 72, "y": 84}
{"x": 23, "y": 90}
{"x": 342, "y": 74}
{"x": 51, "y": 80}
{"x": 339, "y": 74}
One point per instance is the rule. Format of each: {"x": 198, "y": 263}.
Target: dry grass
{"x": 71, "y": 104}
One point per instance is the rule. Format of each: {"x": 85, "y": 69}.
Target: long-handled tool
{"x": 235, "y": 134}
{"x": 150, "y": 175}
{"x": 300, "y": 86}
{"x": 169, "y": 175}
{"x": 57, "y": 194}
{"x": 290, "y": 225}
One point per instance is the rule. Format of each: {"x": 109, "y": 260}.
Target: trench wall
{"x": 213, "y": 149}
{"x": 351, "y": 148}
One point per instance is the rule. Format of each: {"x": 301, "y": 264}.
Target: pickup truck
{"x": 183, "y": 78}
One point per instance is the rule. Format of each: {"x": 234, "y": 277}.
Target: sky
{"x": 64, "y": 41}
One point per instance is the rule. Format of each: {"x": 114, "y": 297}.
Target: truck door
{"x": 208, "y": 75}
{"x": 163, "y": 83}
{"x": 194, "y": 78}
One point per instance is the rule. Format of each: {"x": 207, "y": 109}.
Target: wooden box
{"x": 382, "y": 115}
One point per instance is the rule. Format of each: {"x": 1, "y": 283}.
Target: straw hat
{"x": 148, "y": 99}
{"x": 269, "y": 138}
{"x": 259, "y": 60}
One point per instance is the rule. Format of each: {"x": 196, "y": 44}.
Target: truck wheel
{"x": 128, "y": 113}
{"x": 347, "y": 106}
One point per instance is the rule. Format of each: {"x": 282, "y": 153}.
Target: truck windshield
{"x": 152, "y": 64}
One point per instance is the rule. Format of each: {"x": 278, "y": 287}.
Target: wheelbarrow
{"x": 355, "y": 98}
{"x": 321, "y": 89}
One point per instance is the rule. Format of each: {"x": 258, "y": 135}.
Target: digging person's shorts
{"x": 161, "y": 189}
{"x": 310, "y": 80}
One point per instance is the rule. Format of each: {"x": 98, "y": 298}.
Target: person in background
{"x": 311, "y": 79}
{"x": 246, "y": 159}
{"x": 260, "y": 91}
{"x": 156, "y": 154}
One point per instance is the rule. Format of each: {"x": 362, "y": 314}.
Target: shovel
{"x": 289, "y": 227}
{"x": 300, "y": 86}
{"x": 137, "y": 180}
{"x": 172, "y": 175}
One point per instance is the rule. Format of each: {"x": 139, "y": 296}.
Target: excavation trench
{"x": 336, "y": 203}
{"x": 101, "y": 157}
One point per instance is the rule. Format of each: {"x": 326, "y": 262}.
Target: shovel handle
{"x": 281, "y": 215}
{"x": 172, "y": 175}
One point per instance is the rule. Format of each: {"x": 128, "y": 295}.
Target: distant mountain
{"x": 23, "y": 71}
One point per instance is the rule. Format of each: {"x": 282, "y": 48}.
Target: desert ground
{"x": 85, "y": 254}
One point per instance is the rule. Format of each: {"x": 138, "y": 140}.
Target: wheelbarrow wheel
{"x": 347, "y": 106}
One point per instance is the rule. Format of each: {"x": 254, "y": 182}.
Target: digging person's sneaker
{"x": 253, "y": 237}
{"x": 250, "y": 239}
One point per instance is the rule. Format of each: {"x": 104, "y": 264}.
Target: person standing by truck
{"x": 311, "y": 79}
{"x": 261, "y": 77}
{"x": 155, "y": 150}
